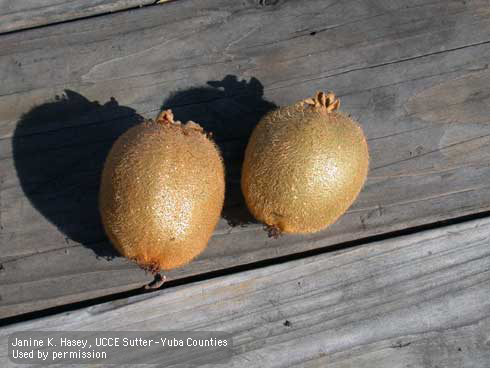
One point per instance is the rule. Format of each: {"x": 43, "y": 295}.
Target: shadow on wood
{"x": 229, "y": 109}
{"x": 60, "y": 171}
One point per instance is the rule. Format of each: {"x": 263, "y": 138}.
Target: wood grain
{"x": 415, "y": 301}
{"x": 224, "y": 64}
{"x": 17, "y": 15}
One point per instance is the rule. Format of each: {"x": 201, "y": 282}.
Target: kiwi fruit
{"x": 304, "y": 166}
{"x": 162, "y": 192}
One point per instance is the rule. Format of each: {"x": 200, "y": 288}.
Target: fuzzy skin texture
{"x": 304, "y": 166}
{"x": 162, "y": 193}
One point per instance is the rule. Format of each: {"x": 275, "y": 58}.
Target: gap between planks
{"x": 330, "y": 250}
{"x": 38, "y": 15}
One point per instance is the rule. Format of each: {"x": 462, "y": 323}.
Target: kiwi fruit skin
{"x": 162, "y": 192}
{"x": 304, "y": 166}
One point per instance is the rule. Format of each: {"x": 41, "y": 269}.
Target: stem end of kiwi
{"x": 273, "y": 231}
{"x": 157, "y": 282}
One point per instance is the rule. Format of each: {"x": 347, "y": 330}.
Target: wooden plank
{"x": 414, "y": 301}
{"x": 17, "y": 15}
{"x": 418, "y": 85}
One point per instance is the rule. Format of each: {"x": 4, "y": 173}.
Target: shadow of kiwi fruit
{"x": 59, "y": 150}
{"x": 229, "y": 109}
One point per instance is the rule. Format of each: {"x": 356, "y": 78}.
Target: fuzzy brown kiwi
{"x": 304, "y": 166}
{"x": 162, "y": 192}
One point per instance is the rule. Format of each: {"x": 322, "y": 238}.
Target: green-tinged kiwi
{"x": 304, "y": 166}
{"x": 162, "y": 192}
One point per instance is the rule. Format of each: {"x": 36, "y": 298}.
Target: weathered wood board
{"x": 414, "y": 301}
{"x": 417, "y": 83}
{"x": 16, "y": 15}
